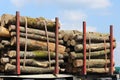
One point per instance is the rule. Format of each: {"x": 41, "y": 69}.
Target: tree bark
{"x": 95, "y": 54}
{"x": 97, "y": 63}
{"x": 33, "y": 54}
{"x": 37, "y": 37}
{"x": 94, "y": 37}
{"x": 31, "y": 22}
{"x": 38, "y": 45}
{"x": 36, "y": 63}
{"x": 28, "y": 70}
{"x": 34, "y": 31}
{"x": 93, "y": 47}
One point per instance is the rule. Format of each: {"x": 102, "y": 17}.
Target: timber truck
{"x": 56, "y": 74}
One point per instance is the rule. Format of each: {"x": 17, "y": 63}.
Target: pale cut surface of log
{"x": 31, "y": 22}
{"x": 94, "y": 54}
{"x": 34, "y": 31}
{"x": 28, "y": 69}
{"x": 97, "y": 63}
{"x": 4, "y": 60}
{"x": 94, "y": 47}
{"x": 38, "y": 45}
{"x": 33, "y": 54}
{"x": 4, "y": 32}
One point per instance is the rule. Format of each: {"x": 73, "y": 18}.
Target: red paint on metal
{"x": 84, "y": 48}
{"x": 111, "y": 50}
{"x": 56, "y": 46}
{"x": 18, "y": 42}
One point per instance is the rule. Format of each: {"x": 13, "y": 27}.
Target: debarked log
{"x": 27, "y": 69}
{"x": 36, "y": 63}
{"x": 31, "y": 22}
{"x": 94, "y": 54}
{"x": 38, "y": 45}
{"x": 34, "y": 31}
{"x": 97, "y": 63}
{"x": 94, "y": 47}
{"x": 4, "y": 60}
{"x": 36, "y": 37}
{"x": 33, "y": 54}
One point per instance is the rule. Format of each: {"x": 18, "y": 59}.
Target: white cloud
{"x": 20, "y": 3}
{"x": 117, "y": 54}
{"x": 72, "y": 15}
{"x": 87, "y": 3}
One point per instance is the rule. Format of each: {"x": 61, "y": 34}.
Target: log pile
{"x": 34, "y": 38}
{"x": 35, "y": 59}
{"x": 97, "y": 52}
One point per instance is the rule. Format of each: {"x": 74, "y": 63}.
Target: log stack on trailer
{"x": 37, "y": 41}
{"x": 37, "y": 48}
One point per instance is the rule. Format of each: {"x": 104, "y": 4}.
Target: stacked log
{"x": 34, "y": 36}
{"x": 35, "y": 51}
{"x": 97, "y": 52}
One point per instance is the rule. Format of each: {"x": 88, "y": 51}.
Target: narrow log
{"x": 36, "y": 37}
{"x": 4, "y": 32}
{"x": 31, "y": 22}
{"x": 29, "y": 70}
{"x": 34, "y": 31}
{"x": 93, "y": 47}
{"x": 33, "y": 54}
{"x": 5, "y": 42}
{"x": 35, "y": 63}
{"x": 94, "y": 54}
{"x": 38, "y": 45}
{"x": 97, "y": 63}
{"x": 1, "y": 46}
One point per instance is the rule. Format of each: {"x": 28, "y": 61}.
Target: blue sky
{"x": 99, "y": 14}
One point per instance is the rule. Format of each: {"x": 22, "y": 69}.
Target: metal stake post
{"x": 18, "y": 43}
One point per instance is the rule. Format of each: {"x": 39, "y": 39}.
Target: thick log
{"x": 95, "y": 54}
{"x": 4, "y": 60}
{"x": 93, "y": 47}
{"x": 31, "y": 22}
{"x": 33, "y": 54}
{"x": 36, "y": 63}
{"x": 97, "y": 63}
{"x": 4, "y": 32}
{"x": 36, "y": 37}
{"x": 34, "y": 31}
{"x": 27, "y": 69}
{"x": 38, "y": 45}
{"x": 92, "y": 70}
{"x": 93, "y": 37}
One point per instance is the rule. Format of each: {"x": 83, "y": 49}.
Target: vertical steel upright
{"x": 84, "y": 48}
{"x": 111, "y": 50}
{"x": 18, "y": 43}
{"x": 56, "y": 46}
